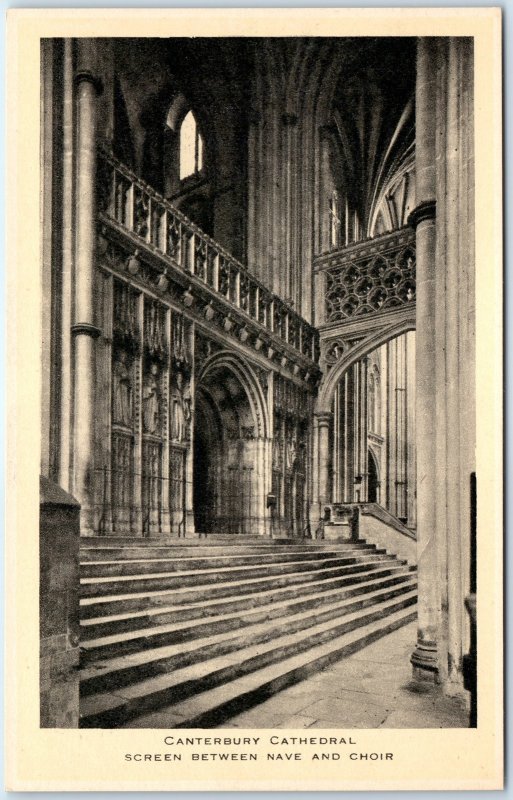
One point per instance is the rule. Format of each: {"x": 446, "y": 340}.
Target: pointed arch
{"x": 247, "y": 378}
{"x": 360, "y": 350}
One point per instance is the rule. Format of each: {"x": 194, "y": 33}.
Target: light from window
{"x": 191, "y": 147}
{"x": 334, "y": 214}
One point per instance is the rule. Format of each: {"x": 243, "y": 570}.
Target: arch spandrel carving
{"x": 353, "y": 354}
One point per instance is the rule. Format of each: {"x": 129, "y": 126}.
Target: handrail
{"x": 362, "y": 247}
{"x": 136, "y": 206}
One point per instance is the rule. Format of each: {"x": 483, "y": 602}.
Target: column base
{"x": 424, "y": 660}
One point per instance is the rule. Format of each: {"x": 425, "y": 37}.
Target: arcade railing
{"x": 137, "y": 208}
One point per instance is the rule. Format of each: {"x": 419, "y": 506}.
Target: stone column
{"x": 254, "y": 174}
{"x": 190, "y": 529}
{"x": 316, "y": 503}
{"x": 391, "y": 427}
{"x": 49, "y": 259}
{"x": 401, "y": 437}
{"x": 259, "y": 512}
{"x": 411, "y": 457}
{"x": 362, "y": 428}
{"x": 84, "y": 328}
{"x": 166, "y": 455}
{"x": 337, "y": 436}
{"x": 67, "y": 263}
{"x": 455, "y": 357}
{"x": 136, "y": 515}
{"x": 349, "y": 440}
{"x": 323, "y": 427}
{"x": 289, "y": 150}
{"x": 425, "y": 655}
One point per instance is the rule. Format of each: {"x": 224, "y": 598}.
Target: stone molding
{"x": 246, "y": 375}
{"x": 259, "y": 339}
{"x": 424, "y": 211}
{"x": 356, "y": 353}
{"x": 424, "y": 660}
{"x": 84, "y": 76}
{"x": 324, "y": 418}
{"x": 85, "y": 329}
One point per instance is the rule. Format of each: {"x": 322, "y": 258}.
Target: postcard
{"x": 254, "y": 530}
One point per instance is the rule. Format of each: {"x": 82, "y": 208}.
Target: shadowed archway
{"x": 229, "y": 471}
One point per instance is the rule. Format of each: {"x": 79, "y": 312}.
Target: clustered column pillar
{"x": 84, "y": 328}
{"x": 445, "y": 352}
{"x": 425, "y": 655}
{"x": 455, "y": 410}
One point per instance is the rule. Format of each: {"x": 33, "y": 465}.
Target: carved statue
{"x": 335, "y": 351}
{"x": 181, "y": 409}
{"x": 151, "y": 401}
{"x": 277, "y": 446}
{"x": 179, "y": 340}
{"x": 121, "y": 391}
{"x": 291, "y": 450}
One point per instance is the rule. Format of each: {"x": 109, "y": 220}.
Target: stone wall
{"x": 375, "y": 529}
{"x": 58, "y": 607}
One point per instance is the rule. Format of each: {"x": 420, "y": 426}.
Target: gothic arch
{"x": 372, "y": 341}
{"x": 248, "y": 380}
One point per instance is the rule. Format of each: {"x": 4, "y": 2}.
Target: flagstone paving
{"x": 370, "y": 689}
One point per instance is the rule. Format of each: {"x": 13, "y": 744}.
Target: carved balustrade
{"x": 130, "y": 204}
{"x": 367, "y": 277}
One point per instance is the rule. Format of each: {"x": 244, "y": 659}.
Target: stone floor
{"x": 371, "y": 689}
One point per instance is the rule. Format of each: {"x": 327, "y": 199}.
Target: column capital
{"x": 425, "y": 210}
{"x": 85, "y": 329}
{"x": 324, "y": 418}
{"x": 86, "y": 76}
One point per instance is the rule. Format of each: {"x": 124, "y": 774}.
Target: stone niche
{"x": 59, "y": 522}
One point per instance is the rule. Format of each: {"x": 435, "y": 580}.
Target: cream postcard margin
{"x": 94, "y": 759}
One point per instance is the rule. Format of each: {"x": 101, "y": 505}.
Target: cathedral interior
{"x": 258, "y": 366}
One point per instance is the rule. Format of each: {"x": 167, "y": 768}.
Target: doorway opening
{"x": 228, "y": 466}
{"x": 373, "y": 479}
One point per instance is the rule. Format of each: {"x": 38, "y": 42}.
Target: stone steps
{"x": 247, "y": 593}
{"x": 254, "y": 624}
{"x": 195, "y": 577}
{"x": 111, "y": 552}
{"x": 214, "y": 707}
{"x": 327, "y": 640}
{"x": 158, "y": 629}
{"x": 140, "y": 566}
{"x": 268, "y": 603}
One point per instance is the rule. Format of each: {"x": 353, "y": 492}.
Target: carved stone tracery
{"x": 366, "y": 279}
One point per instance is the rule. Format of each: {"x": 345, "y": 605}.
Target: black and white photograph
{"x": 260, "y": 477}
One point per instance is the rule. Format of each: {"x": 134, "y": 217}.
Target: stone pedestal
{"x": 58, "y": 607}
